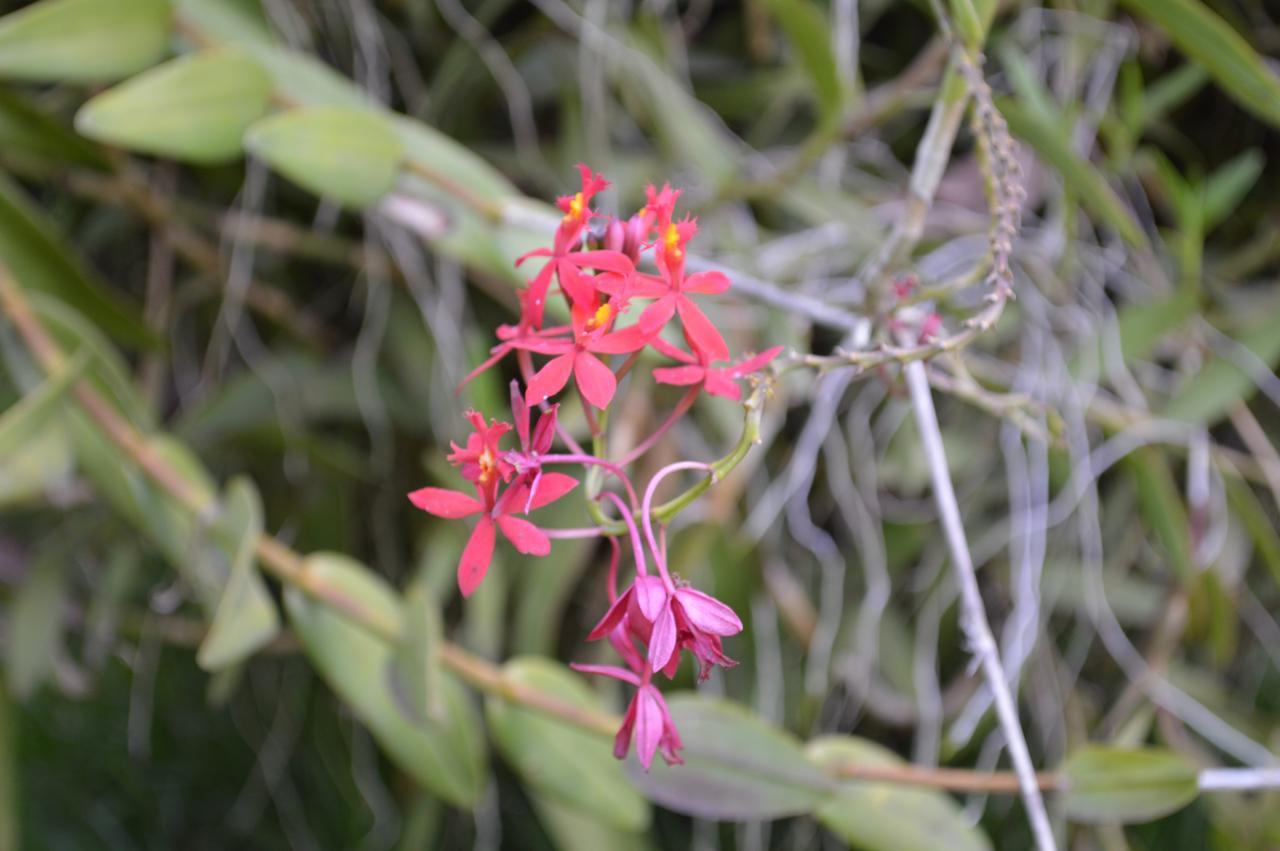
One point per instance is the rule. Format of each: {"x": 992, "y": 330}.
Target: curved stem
{"x": 677, "y": 412}
{"x": 646, "y": 515}
{"x": 580, "y": 532}
{"x": 637, "y": 549}
{"x": 591, "y": 460}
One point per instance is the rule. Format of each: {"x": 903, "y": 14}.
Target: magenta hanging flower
{"x": 647, "y": 721}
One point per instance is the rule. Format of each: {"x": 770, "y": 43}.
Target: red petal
{"x": 754, "y": 364}
{"x": 608, "y": 261}
{"x": 537, "y": 252}
{"x": 524, "y": 536}
{"x": 595, "y": 380}
{"x": 658, "y": 314}
{"x": 520, "y": 413}
{"x": 651, "y": 595}
{"x": 649, "y": 725}
{"x": 662, "y": 642}
{"x": 708, "y": 283}
{"x": 648, "y": 286}
{"x": 707, "y": 613}
{"x": 699, "y": 331}
{"x": 580, "y": 288}
{"x": 673, "y": 352}
{"x": 550, "y": 380}
{"x": 718, "y": 385}
{"x": 445, "y": 503}
{"x": 611, "y": 618}
{"x": 551, "y": 487}
{"x": 633, "y": 338}
{"x": 476, "y": 557}
{"x": 681, "y": 376}
{"x": 607, "y": 671}
{"x": 536, "y": 300}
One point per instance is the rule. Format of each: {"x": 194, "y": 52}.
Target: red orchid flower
{"x": 672, "y": 288}
{"x": 716, "y": 380}
{"x": 482, "y": 463}
{"x": 565, "y": 263}
{"x": 527, "y": 460}
{"x": 592, "y": 335}
{"x": 511, "y": 335}
{"x": 648, "y": 720}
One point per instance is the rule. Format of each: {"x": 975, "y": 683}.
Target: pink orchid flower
{"x": 716, "y": 380}
{"x": 647, "y": 720}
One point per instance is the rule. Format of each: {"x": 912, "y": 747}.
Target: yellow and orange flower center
{"x": 601, "y": 318}
{"x": 671, "y": 239}
{"x": 488, "y": 466}
{"x": 576, "y": 208}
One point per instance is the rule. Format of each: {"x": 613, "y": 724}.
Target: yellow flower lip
{"x": 487, "y": 466}
{"x": 601, "y": 317}
{"x": 672, "y": 240}
{"x": 576, "y": 208}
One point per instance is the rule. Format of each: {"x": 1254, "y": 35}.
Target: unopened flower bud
{"x": 615, "y": 236}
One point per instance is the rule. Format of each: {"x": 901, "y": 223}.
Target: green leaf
{"x": 195, "y": 108}
{"x": 25, "y": 420}
{"x": 1226, "y": 187}
{"x": 40, "y": 259}
{"x": 45, "y": 464}
{"x": 447, "y": 757}
{"x": 1117, "y": 786}
{"x": 35, "y": 623}
{"x": 349, "y": 154}
{"x": 973, "y": 19}
{"x": 881, "y": 816}
{"x": 568, "y": 764}
{"x": 9, "y": 821}
{"x": 574, "y": 830}
{"x": 809, "y": 32}
{"x": 246, "y": 617}
{"x": 1206, "y": 38}
{"x": 737, "y": 766}
{"x": 1163, "y": 510}
{"x": 83, "y": 40}
{"x": 31, "y": 132}
{"x": 415, "y": 673}
{"x": 1220, "y": 383}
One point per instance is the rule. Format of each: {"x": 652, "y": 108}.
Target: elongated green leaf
{"x": 574, "y": 830}
{"x": 45, "y": 464}
{"x": 809, "y": 32}
{"x": 448, "y": 757}
{"x": 1222, "y": 383}
{"x": 83, "y": 40}
{"x": 878, "y": 816}
{"x": 565, "y": 763}
{"x": 246, "y": 617}
{"x": 35, "y": 623}
{"x": 195, "y": 108}
{"x": 415, "y": 673}
{"x": 736, "y": 767}
{"x": 348, "y": 154}
{"x": 1209, "y": 40}
{"x": 23, "y": 421}
{"x": 38, "y": 257}
{"x": 1163, "y": 510}
{"x": 1226, "y": 187}
{"x": 30, "y": 132}
{"x": 1116, "y": 786}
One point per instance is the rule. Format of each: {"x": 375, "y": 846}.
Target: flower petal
{"x": 681, "y": 376}
{"x": 551, "y": 486}
{"x": 595, "y": 380}
{"x": 550, "y": 380}
{"x": 607, "y": 671}
{"x": 699, "y": 331}
{"x": 536, "y": 300}
{"x": 651, "y": 595}
{"x": 707, "y": 613}
{"x": 445, "y": 503}
{"x": 718, "y": 385}
{"x": 658, "y": 314}
{"x": 524, "y": 536}
{"x": 544, "y": 433}
{"x": 580, "y": 288}
{"x": 476, "y": 557}
{"x": 649, "y": 725}
{"x": 707, "y": 283}
{"x": 611, "y": 618}
{"x": 520, "y": 413}
{"x": 607, "y": 261}
{"x": 633, "y": 338}
{"x": 662, "y": 643}
{"x": 754, "y": 364}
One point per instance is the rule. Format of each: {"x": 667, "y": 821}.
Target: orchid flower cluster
{"x": 593, "y": 264}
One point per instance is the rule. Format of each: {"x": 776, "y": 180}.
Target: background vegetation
{"x": 249, "y": 248}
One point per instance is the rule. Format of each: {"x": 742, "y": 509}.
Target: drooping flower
{"x": 566, "y": 263}
{"x": 647, "y": 721}
{"x": 698, "y": 369}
